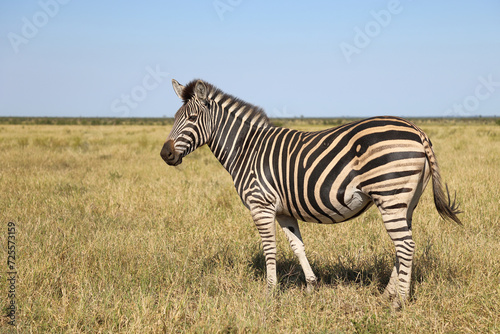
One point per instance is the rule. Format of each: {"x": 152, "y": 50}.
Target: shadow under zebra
{"x": 350, "y": 269}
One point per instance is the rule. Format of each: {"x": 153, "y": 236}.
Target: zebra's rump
{"x": 334, "y": 175}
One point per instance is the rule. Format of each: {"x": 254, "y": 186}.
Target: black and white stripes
{"x": 327, "y": 176}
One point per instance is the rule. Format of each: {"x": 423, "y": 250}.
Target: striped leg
{"x": 397, "y": 212}
{"x": 391, "y": 289}
{"x": 398, "y": 288}
{"x": 292, "y": 232}
{"x": 264, "y": 221}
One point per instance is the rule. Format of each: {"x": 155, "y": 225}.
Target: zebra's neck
{"x": 236, "y": 126}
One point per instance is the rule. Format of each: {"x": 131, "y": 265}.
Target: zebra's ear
{"x": 178, "y": 88}
{"x": 200, "y": 90}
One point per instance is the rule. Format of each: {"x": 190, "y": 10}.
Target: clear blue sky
{"x": 311, "y": 58}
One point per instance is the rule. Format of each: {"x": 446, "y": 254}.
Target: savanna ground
{"x": 110, "y": 239}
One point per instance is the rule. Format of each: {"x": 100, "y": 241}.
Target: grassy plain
{"x": 112, "y": 240}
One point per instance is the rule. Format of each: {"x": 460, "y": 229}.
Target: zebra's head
{"x": 192, "y": 123}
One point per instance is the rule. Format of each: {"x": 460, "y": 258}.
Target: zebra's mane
{"x": 255, "y": 115}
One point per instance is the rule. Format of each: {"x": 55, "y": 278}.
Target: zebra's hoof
{"x": 388, "y": 295}
{"x": 311, "y": 286}
{"x": 272, "y": 290}
{"x": 397, "y": 304}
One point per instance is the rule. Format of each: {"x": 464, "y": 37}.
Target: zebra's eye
{"x": 192, "y": 118}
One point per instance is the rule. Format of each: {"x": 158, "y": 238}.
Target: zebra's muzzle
{"x": 169, "y": 155}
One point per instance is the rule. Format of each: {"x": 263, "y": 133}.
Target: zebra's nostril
{"x": 168, "y": 153}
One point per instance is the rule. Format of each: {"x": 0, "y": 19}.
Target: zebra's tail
{"x": 447, "y": 209}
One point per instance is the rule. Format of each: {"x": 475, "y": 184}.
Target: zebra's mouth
{"x": 175, "y": 163}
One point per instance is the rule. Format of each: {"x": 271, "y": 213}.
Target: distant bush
{"x": 84, "y": 121}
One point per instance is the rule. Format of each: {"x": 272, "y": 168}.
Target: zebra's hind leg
{"x": 398, "y": 287}
{"x": 291, "y": 228}
{"x": 391, "y": 289}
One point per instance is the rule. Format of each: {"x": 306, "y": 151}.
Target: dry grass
{"x": 110, "y": 239}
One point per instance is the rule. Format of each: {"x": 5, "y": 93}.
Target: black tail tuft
{"x": 447, "y": 209}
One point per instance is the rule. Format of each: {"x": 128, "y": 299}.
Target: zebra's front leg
{"x": 264, "y": 221}
{"x": 291, "y": 228}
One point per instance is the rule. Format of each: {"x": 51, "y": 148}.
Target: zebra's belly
{"x": 355, "y": 204}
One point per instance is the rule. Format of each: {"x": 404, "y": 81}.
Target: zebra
{"x": 327, "y": 176}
